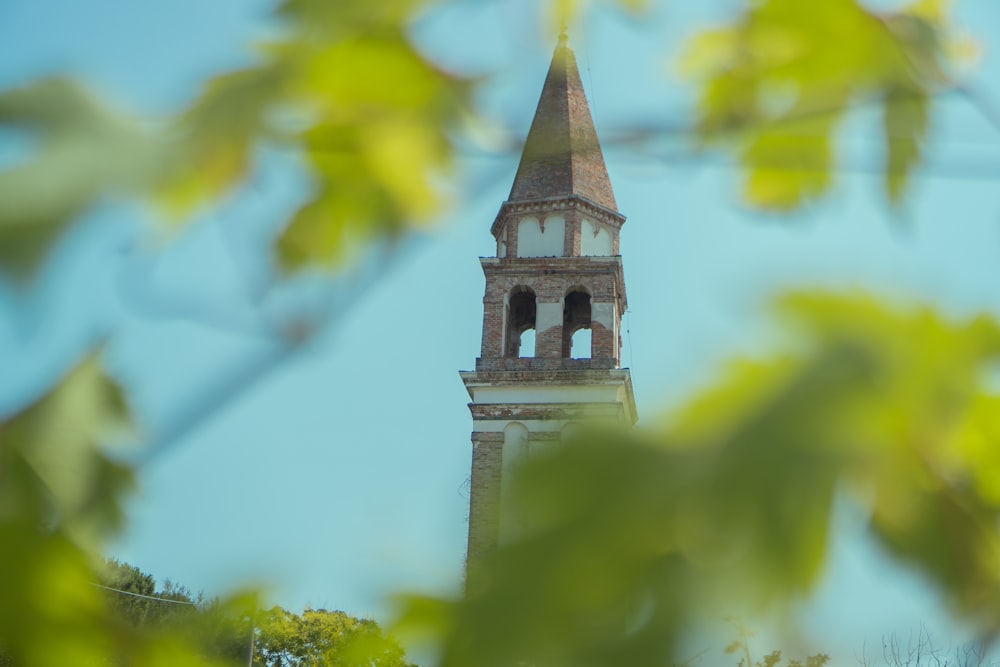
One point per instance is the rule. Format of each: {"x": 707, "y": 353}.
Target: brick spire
{"x": 562, "y": 156}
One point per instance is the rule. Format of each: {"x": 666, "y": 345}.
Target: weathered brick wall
{"x": 548, "y": 343}
{"x": 551, "y": 279}
{"x": 494, "y": 321}
{"x": 603, "y": 343}
{"x": 536, "y": 364}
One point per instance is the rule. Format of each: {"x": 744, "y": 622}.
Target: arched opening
{"x": 520, "y": 318}
{"x": 580, "y": 345}
{"x": 576, "y": 316}
{"x": 527, "y": 344}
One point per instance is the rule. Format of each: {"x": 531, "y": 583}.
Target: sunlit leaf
{"x": 776, "y": 83}
{"x": 345, "y": 68}
{"x": 369, "y": 114}
{"x": 791, "y": 165}
{"x": 211, "y": 145}
{"x": 375, "y": 144}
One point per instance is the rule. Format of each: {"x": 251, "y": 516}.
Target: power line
{"x": 140, "y": 595}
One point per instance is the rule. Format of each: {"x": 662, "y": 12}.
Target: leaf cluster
{"x": 777, "y": 82}
{"x": 343, "y": 87}
{"x": 60, "y": 495}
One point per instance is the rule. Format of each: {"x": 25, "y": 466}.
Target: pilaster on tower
{"x": 557, "y": 274}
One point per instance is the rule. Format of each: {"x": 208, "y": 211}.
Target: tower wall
{"x": 557, "y": 271}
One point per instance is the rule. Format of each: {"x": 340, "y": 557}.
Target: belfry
{"x": 557, "y": 277}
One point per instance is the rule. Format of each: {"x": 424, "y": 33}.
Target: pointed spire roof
{"x": 562, "y": 156}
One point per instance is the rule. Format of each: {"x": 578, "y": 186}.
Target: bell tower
{"x": 555, "y": 295}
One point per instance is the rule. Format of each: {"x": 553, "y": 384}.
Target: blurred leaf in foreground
{"x": 344, "y": 87}
{"x": 55, "y": 473}
{"x": 778, "y": 80}
{"x": 631, "y": 538}
{"x": 370, "y": 115}
{"x": 85, "y": 152}
{"x": 59, "y": 495}
{"x": 52, "y": 484}
{"x": 368, "y": 112}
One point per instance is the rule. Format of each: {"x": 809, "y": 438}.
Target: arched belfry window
{"x": 576, "y": 316}
{"x": 527, "y": 344}
{"x": 520, "y": 318}
{"x": 581, "y": 344}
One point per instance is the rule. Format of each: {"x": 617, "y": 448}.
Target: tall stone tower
{"x": 557, "y": 277}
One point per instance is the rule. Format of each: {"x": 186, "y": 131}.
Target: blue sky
{"x": 337, "y": 475}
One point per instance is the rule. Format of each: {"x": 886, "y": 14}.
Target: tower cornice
{"x": 554, "y": 204}
{"x": 518, "y": 391}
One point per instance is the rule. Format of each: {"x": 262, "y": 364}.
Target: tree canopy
{"x": 321, "y": 637}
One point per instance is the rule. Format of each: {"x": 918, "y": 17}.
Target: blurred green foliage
{"x": 86, "y": 152}
{"x": 368, "y": 112}
{"x": 776, "y": 83}
{"x": 59, "y": 496}
{"x": 741, "y": 647}
{"x": 343, "y": 86}
{"x": 627, "y": 536}
{"x": 631, "y": 538}
{"x": 231, "y": 630}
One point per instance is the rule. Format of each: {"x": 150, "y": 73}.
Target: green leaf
{"x": 906, "y": 121}
{"x": 211, "y": 144}
{"x": 776, "y": 83}
{"x": 791, "y": 164}
{"x": 55, "y": 472}
{"x": 376, "y": 144}
{"x": 60, "y": 494}
{"x": 344, "y": 86}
